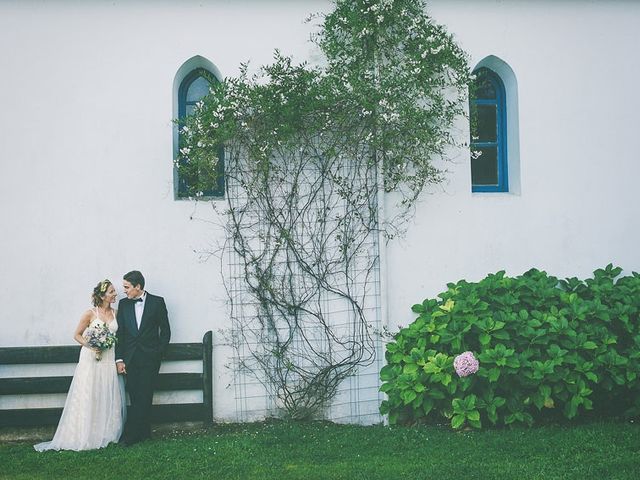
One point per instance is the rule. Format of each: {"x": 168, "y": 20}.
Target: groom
{"x": 143, "y": 336}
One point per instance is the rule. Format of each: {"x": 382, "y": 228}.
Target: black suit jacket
{"x": 151, "y": 339}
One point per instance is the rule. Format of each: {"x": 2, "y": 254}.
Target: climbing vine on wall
{"x": 310, "y": 152}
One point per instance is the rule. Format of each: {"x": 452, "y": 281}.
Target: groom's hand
{"x": 121, "y": 368}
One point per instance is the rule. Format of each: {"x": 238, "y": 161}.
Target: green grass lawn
{"x": 278, "y": 450}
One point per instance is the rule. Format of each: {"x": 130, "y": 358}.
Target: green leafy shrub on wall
{"x": 548, "y": 349}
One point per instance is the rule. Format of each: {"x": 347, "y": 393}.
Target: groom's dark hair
{"x": 135, "y": 278}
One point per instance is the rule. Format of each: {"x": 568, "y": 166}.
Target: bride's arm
{"x": 82, "y": 325}
{"x": 120, "y": 334}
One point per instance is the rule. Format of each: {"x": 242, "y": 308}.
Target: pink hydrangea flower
{"x": 465, "y": 364}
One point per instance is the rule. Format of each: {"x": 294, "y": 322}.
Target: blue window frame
{"x": 487, "y": 109}
{"x": 192, "y": 89}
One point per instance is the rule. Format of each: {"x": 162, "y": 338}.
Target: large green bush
{"x": 548, "y": 349}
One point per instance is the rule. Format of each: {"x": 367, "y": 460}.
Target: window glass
{"x": 198, "y": 89}
{"x": 486, "y": 128}
{"x": 484, "y": 167}
{"x": 485, "y": 89}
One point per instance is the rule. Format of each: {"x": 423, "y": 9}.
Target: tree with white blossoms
{"x": 309, "y": 150}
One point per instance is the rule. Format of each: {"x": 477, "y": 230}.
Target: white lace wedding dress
{"x": 94, "y": 411}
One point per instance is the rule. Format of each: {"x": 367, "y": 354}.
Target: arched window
{"x": 193, "y": 88}
{"x": 488, "y": 114}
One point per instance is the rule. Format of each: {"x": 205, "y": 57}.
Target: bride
{"x": 94, "y": 411}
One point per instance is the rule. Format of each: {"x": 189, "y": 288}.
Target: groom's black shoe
{"x": 127, "y": 442}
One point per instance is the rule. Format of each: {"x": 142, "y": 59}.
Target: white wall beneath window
{"x": 86, "y": 158}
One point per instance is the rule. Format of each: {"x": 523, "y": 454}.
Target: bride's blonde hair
{"x": 99, "y": 292}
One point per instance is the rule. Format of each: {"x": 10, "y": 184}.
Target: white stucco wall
{"x": 86, "y": 161}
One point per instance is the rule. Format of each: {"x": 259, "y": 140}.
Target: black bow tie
{"x": 136, "y": 300}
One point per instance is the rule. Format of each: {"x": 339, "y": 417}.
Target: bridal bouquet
{"x": 99, "y": 337}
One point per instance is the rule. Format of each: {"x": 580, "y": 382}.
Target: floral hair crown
{"x": 104, "y": 285}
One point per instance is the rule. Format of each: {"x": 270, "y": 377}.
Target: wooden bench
{"x": 177, "y": 412}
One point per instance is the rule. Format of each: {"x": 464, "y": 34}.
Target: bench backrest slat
{"x": 33, "y": 385}
{"x": 70, "y": 354}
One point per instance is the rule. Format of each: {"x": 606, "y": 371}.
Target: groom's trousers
{"x": 141, "y": 380}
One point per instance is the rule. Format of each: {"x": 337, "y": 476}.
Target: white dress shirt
{"x": 139, "y": 308}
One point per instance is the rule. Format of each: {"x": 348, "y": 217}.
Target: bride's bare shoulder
{"x": 85, "y": 319}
